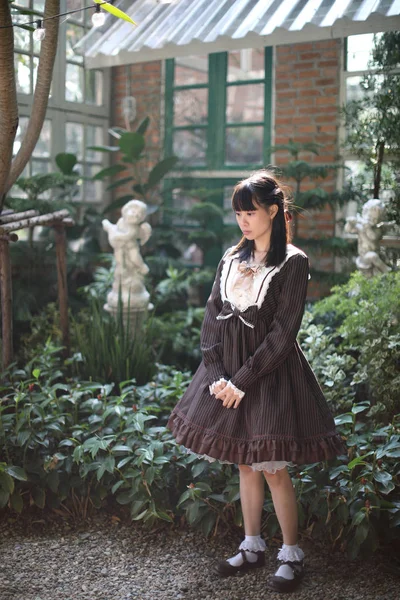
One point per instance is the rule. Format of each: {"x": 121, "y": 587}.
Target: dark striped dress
{"x": 283, "y": 415}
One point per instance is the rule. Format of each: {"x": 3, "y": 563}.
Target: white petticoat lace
{"x": 292, "y": 553}
{"x": 271, "y": 466}
{"x": 257, "y": 545}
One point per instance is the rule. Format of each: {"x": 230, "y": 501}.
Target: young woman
{"x": 254, "y": 400}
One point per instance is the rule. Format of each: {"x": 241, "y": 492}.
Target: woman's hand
{"x": 229, "y": 397}
{"x": 220, "y": 386}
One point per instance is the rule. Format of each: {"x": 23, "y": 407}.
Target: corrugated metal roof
{"x": 189, "y": 27}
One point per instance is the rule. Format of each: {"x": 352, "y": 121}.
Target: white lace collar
{"x": 262, "y": 280}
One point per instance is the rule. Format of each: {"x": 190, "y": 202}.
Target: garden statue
{"x": 369, "y": 226}
{"x": 126, "y": 237}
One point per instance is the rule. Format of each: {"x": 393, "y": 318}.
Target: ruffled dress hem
{"x": 247, "y": 452}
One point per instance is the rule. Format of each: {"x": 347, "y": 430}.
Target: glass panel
{"x": 22, "y": 37}
{"x": 190, "y": 146}
{"x": 190, "y": 107}
{"x": 38, "y": 5}
{"x": 94, "y": 137}
{"x": 74, "y": 82}
{"x": 74, "y": 139}
{"x": 245, "y": 103}
{"x": 73, "y": 35}
{"x": 246, "y": 64}
{"x": 22, "y": 125}
{"x": 75, "y": 4}
{"x": 43, "y": 146}
{"x": 92, "y": 189}
{"x": 359, "y": 48}
{"x": 94, "y": 87}
{"x": 191, "y": 70}
{"x": 229, "y": 218}
{"x": 23, "y": 73}
{"x": 354, "y": 90}
{"x": 244, "y": 145}
{"x": 40, "y": 167}
{"x": 182, "y": 201}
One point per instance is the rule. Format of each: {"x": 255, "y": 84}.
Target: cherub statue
{"x": 126, "y": 237}
{"x": 369, "y": 226}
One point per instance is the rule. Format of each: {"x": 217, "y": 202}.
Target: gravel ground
{"x": 106, "y": 559}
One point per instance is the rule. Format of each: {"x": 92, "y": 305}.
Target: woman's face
{"x": 256, "y": 224}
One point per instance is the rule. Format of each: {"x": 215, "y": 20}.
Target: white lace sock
{"x": 292, "y": 553}
{"x": 250, "y": 544}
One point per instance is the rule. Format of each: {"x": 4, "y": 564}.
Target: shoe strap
{"x": 295, "y": 565}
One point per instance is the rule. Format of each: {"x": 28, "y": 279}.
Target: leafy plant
{"x": 70, "y": 445}
{"x": 36, "y": 189}
{"x": 366, "y": 314}
{"x": 131, "y": 144}
{"x": 109, "y": 349}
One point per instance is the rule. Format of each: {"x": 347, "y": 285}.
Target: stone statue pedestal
{"x": 128, "y": 294}
{"x": 133, "y": 320}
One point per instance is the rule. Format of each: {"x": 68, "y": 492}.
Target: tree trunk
{"x": 61, "y": 250}
{"x": 6, "y": 303}
{"x": 42, "y": 91}
{"x": 8, "y": 97}
{"x": 380, "y": 150}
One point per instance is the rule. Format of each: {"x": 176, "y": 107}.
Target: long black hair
{"x": 263, "y": 188}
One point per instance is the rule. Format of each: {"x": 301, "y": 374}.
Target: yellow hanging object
{"x": 115, "y": 11}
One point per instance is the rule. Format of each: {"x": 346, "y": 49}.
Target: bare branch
{"x": 41, "y": 94}
{"x": 8, "y": 97}
{"x": 10, "y": 218}
{"x": 47, "y": 219}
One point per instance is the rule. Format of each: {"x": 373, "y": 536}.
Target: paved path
{"x": 105, "y": 559}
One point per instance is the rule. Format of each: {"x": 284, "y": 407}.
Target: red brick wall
{"x": 143, "y": 81}
{"x": 307, "y": 79}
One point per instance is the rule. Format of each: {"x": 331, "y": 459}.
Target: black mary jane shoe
{"x": 280, "y": 584}
{"x": 225, "y": 569}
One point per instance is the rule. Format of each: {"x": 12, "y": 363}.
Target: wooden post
{"x": 6, "y": 303}
{"x": 61, "y": 250}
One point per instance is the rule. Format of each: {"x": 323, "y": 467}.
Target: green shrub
{"x": 332, "y": 368}
{"x": 366, "y": 316}
{"x": 71, "y": 446}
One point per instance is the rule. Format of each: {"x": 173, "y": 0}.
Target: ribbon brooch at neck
{"x": 249, "y": 269}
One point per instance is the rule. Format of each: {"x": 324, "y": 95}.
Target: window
{"x": 78, "y": 137}
{"x": 218, "y": 109}
{"x": 358, "y": 56}
{"x": 40, "y": 162}
{"x": 81, "y": 85}
{"x": 78, "y": 109}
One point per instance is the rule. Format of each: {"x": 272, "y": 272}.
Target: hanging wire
{"x": 70, "y": 12}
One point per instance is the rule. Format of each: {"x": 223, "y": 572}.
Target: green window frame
{"x": 217, "y": 125}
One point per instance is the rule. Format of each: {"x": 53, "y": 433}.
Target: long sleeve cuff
{"x": 214, "y": 385}
{"x": 243, "y": 378}
{"x": 235, "y": 389}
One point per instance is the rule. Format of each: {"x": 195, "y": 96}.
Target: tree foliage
{"x": 373, "y": 122}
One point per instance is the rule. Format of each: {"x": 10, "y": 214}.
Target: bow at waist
{"x": 248, "y": 316}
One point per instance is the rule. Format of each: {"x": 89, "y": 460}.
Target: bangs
{"x": 243, "y": 198}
